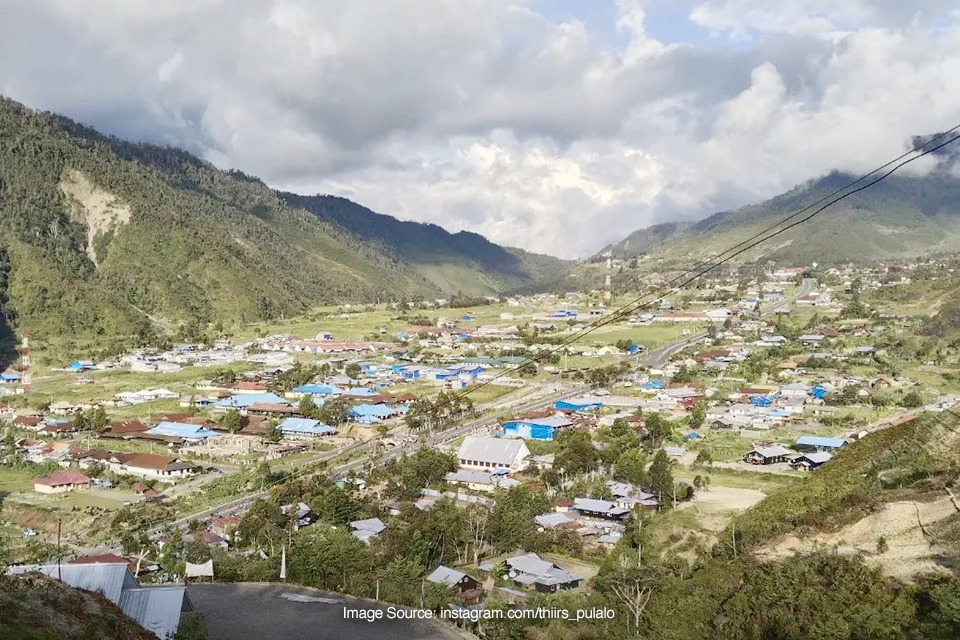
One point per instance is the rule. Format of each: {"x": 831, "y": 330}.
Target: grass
{"x": 15, "y": 480}
{"x": 919, "y": 454}
{"x": 737, "y": 479}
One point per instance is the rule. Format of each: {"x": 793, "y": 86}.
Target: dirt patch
{"x": 911, "y": 549}
{"x": 99, "y": 211}
{"x": 715, "y": 507}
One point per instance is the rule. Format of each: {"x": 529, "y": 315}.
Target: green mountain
{"x": 461, "y": 261}
{"x": 642, "y": 240}
{"x": 900, "y": 217}
{"x": 99, "y": 236}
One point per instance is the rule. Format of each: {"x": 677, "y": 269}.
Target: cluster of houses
{"x": 77, "y": 463}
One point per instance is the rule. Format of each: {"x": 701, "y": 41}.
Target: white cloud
{"x": 485, "y": 114}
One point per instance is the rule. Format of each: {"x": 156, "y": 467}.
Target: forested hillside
{"x": 642, "y": 240}
{"x": 902, "y": 216}
{"x": 101, "y": 236}
{"x": 454, "y": 261}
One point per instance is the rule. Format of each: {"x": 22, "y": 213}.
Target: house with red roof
{"x": 61, "y": 482}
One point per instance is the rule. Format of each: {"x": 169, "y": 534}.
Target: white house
{"x": 482, "y": 452}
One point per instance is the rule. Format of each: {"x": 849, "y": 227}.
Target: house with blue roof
{"x": 820, "y": 391}
{"x": 535, "y": 429}
{"x": 318, "y": 390}
{"x": 373, "y": 413}
{"x": 578, "y": 404}
{"x": 359, "y": 392}
{"x": 244, "y": 400}
{"x": 81, "y": 365}
{"x": 652, "y": 385}
{"x": 182, "y": 430}
{"x": 761, "y": 401}
{"x": 9, "y": 377}
{"x": 409, "y": 372}
{"x": 304, "y": 428}
{"x": 819, "y": 443}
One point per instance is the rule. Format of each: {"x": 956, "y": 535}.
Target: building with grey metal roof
{"x": 156, "y": 609}
{"x": 478, "y": 452}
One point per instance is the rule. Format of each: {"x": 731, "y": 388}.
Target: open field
{"x": 15, "y": 480}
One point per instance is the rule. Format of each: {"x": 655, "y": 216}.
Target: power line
{"x": 882, "y": 172}
{"x": 738, "y": 249}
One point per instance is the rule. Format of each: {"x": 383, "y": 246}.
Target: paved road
{"x": 245, "y": 611}
{"x": 658, "y": 357}
{"x": 363, "y": 450}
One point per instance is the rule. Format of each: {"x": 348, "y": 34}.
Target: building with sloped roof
{"x": 61, "y": 482}
{"x": 484, "y": 452}
{"x": 182, "y": 430}
{"x": 819, "y": 443}
{"x": 156, "y": 609}
{"x": 604, "y": 509}
{"x": 810, "y": 461}
{"x": 367, "y": 530}
{"x": 305, "y": 428}
{"x": 535, "y": 428}
{"x": 768, "y": 455}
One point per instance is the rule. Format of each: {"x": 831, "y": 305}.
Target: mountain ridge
{"x": 900, "y": 217}
{"x": 106, "y": 237}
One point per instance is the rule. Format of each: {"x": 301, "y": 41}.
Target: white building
{"x": 493, "y": 453}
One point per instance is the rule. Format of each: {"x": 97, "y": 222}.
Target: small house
{"x": 810, "y": 461}
{"x": 767, "y": 455}
{"x": 819, "y": 443}
{"x": 62, "y": 482}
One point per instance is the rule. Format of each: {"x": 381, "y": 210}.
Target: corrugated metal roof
{"x": 820, "y": 441}
{"x": 108, "y": 579}
{"x": 183, "y": 430}
{"x": 156, "y": 609}
{"x": 446, "y": 575}
{"x": 491, "y": 450}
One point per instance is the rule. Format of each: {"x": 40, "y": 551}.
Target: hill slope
{"x": 462, "y": 261}
{"x": 902, "y": 216}
{"x": 643, "y": 240}
{"x": 105, "y": 237}
{"x": 34, "y": 607}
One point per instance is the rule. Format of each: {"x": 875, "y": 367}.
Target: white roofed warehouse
{"x": 480, "y": 452}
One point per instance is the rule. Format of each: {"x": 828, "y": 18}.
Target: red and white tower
{"x": 25, "y": 361}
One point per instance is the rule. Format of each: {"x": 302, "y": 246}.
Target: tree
{"x": 576, "y": 452}
{"x": 231, "y": 421}
{"x": 704, "y": 458}
{"x": 699, "y": 414}
{"x": 912, "y": 400}
{"x": 263, "y": 526}
{"x": 658, "y": 429}
{"x": 191, "y": 627}
{"x": 353, "y": 370}
{"x": 621, "y": 428}
{"x": 308, "y": 407}
{"x": 99, "y": 420}
{"x": 661, "y": 476}
{"x": 631, "y": 467}
{"x": 273, "y": 434}
{"x": 335, "y": 411}
{"x": 330, "y": 558}
{"x": 882, "y": 545}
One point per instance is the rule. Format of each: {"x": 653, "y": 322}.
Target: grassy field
{"x": 50, "y": 385}
{"x": 15, "y": 480}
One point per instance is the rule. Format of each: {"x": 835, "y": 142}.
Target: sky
{"x": 553, "y": 125}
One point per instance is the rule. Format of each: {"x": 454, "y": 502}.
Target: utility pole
{"x": 59, "y": 551}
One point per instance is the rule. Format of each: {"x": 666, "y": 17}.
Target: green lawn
{"x": 15, "y": 480}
